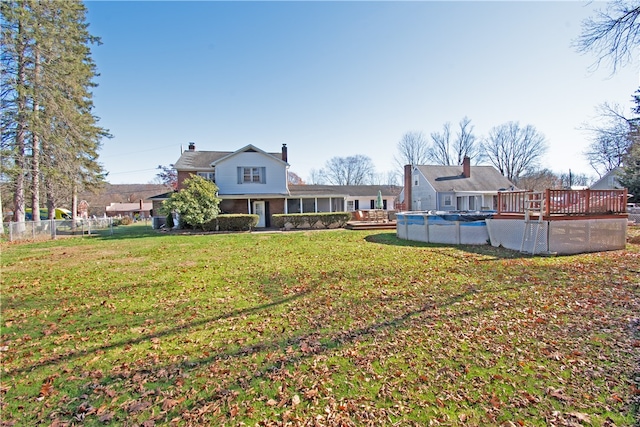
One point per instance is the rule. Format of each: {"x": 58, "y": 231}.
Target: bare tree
{"x": 294, "y": 178}
{"x": 315, "y": 177}
{"x": 613, "y": 34}
{"x": 539, "y": 180}
{"x": 392, "y": 177}
{"x": 440, "y": 152}
{"x": 412, "y": 149}
{"x": 352, "y": 170}
{"x": 445, "y": 151}
{"x": 514, "y": 150}
{"x": 610, "y": 138}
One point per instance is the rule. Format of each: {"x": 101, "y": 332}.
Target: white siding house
{"x": 453, "y": 188}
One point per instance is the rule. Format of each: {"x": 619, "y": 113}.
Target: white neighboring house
{"x": 609, "y": 181}
{"x": 453, "y": 188}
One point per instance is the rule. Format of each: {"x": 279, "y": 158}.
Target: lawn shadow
{"x": 487, "y": 250}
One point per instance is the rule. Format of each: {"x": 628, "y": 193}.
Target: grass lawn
{"x": 326, "y": 328}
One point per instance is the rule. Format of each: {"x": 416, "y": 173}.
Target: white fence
{"x": 53, "y": 228}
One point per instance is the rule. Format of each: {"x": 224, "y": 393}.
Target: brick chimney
{"x": 407, "y": 187}
{"x": 192, "y": 146}
{"x": 466, "y": 167}
{"x": 284, "y": 153}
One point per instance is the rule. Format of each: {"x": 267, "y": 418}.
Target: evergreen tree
{"x": 50, "y": 137}
{"x": 630, "y": 175}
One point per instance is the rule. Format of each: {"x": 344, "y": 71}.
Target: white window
{"x": 350, "y": 205}
{"x": 210, "y": 176}
{"x": 252, "y": 175}
{"x": 447, "y": 200}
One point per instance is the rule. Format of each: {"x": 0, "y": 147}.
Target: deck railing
{"x": 564, "y": 202}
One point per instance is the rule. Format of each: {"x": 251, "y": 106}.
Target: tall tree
{"x": 514, "y": 150}
{"x": 351, "y": 170}
{"x": 613, "y": 33}
{"x": 412, "y": 149}
{"x": 630, "y": 175}
{"x": 49, "y": 133}
{"x": 446, "y": 150}
{"x": 610, "y": 138}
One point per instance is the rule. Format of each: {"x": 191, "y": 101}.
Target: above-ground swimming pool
{"x": 468, "y": 228}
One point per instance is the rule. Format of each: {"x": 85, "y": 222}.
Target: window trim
{"x": 252, "y": 175}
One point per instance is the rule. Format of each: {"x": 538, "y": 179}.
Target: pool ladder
{"x": 533, "y": 203}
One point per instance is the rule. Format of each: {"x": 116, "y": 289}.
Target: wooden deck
{"x": 368, "y": 225}
{"x": 562, "y": 205}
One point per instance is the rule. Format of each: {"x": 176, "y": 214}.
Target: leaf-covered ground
{"x": 326, "y": 328}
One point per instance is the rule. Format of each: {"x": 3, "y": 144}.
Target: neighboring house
{"x": 609, "y": 181}
{"x": 94, "y": 202}
{"x": 254, "y": 181}
{"x": 453, "y": 188}
{"x": 140, "y": 209}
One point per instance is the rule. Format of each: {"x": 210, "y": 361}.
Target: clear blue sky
{"x": 339, "y": 78}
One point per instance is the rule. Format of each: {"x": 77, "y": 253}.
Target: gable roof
{"x": 192, "y": 160}
{"x": 198, "y": 160}
{"x": 313, "y": 190}
{"x": 250, "y": 149}
{"x": 605, "y": 182}
{"x": 450, "y": 178}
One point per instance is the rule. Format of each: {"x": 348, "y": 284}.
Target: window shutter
{"x": 263, "y": 175}
{"x": 239, "y": 175}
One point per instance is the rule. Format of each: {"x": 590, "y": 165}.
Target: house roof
{"x": 343, "y": 190}
{"x": 605, "y": 182}
{"x": 251, "y": 149}
{"x": 128, "y": 207}
{"x": 450, "y": 178}
{"x": 198, "y": 160}
{"x": 192, "y": 160}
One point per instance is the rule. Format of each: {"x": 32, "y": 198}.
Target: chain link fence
{"x": 53, "y": 228}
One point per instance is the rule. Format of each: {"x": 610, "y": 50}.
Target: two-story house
{"x": 254, "y": 181}
{"x": 453, "y": 188}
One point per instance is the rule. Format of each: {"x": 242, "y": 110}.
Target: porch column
{"x": 301, "y": 207}
{"x": 286, "y": 205}
{"x": 249, "y": 206}
{"x": 315, "y": 203}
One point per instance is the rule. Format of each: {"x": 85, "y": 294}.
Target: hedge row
{"x": 232, "y": 222}
{"x": 312, "y": 220}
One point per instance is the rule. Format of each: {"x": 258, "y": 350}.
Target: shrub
{"x": 197, "y": 203}
{"x": 237, "y": 222}
{"x": 327, "y": 219}
{"x": 125, "y": 220}
{"x": 169, "y": 223}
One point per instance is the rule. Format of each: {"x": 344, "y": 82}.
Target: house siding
{"x": 275, "y": 174}
{"x": 423, "y": 194}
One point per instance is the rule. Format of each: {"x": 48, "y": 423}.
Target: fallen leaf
{"x": 295, "y": 400}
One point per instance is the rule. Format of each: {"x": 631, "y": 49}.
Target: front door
{"x": 258, "y": 209}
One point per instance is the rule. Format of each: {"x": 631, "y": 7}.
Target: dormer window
{"x": 252, "y": 175}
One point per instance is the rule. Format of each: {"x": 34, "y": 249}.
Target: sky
{"x": 337, "y": 79}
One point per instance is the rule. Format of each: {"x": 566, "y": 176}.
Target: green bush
{"x": 237, "y": 222}
{"x": 125, "y": 220}
{"x": 169, "y": 223}
{"x": 327, "y": 219}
